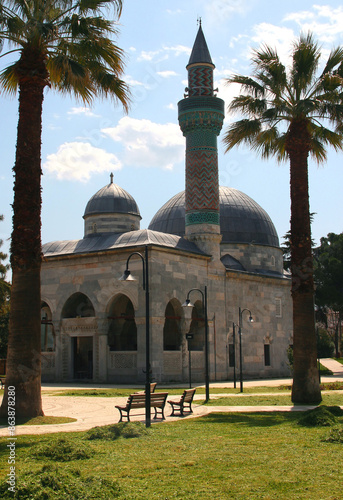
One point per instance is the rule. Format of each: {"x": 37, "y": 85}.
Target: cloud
{"x": 324, "y": 21}
{"x": 79, "y": 160}
{"x": 164, "y": 53}
{"x": 148, "y": 144}
{"x": 280, "y": 38}
{"x": 178, "y": 50}
{"x": 132, "y": 82}
{"x": 81, "y": 110}
{"x": 166, "y": 74}
{"x": 148, "y": 56}
{"x": 217, "y": 12}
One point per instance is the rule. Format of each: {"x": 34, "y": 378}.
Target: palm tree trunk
{"x": 23, "y": 358}
{"x": 306, "y": 387}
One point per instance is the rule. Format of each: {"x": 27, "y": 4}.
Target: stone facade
{"x": 172, "y": 275}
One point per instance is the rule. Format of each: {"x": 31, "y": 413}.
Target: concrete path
{"x": 334, "y": 366}
{"x": 97, "y": 411}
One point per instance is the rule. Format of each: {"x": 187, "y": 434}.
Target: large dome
{"x": 111, "y": 199}
{"x": 242, "y": 220}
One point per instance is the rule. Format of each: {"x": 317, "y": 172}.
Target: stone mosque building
{"x": 208, "y": 238}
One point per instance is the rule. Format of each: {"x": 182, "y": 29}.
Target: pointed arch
{"x": 197, "y": 327}
{"x": 78, "y": 305}
{"x": 172, "y": 326}
{"x": 122, "y": 328}
{"x": 48, "y": 342}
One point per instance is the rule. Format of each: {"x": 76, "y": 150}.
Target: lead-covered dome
{"x": 111, "y": 210}
{"x": 242, "y": 220}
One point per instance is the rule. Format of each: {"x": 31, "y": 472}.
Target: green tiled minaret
{"x": 201, "y": 116}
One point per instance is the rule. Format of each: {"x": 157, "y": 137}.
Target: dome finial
{"x": 111, "y": 177}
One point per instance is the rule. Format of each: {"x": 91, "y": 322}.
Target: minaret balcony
{"x": 201, "y": 113}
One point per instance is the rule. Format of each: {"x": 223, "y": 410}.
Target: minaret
{"x": 201, "y": 116}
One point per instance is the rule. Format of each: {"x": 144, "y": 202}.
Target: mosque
{"x": 210, "y": 244}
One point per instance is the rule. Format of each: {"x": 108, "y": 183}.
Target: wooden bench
{"x": 152, "y": 388}
{"x": 2, "y": 382}
{"x": 157, "y": 401}
{"x": 186, "y": 399}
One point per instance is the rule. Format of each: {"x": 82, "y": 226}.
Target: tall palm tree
{"x": 66, "y": 45}
{"x": 291, "y": 115}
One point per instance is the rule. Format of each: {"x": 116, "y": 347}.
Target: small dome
{"x": 111, "y": 199}
{"x": 111, "y": 210}
{"x": 242, "y": 220}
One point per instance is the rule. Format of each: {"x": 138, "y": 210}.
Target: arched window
{"x": 47, "y": 329}
{"x": 171, "y": 329}
{"x": 122, "y": 330}
{"x": 78, "y": 306}
{"x": 197, "y": 328}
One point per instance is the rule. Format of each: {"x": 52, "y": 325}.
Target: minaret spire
{"x": 201, "y": 118}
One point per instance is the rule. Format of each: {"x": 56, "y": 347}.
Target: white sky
{"x": 145, "y": 149}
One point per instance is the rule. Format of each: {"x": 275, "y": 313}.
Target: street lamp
{"x": 240, "y": 343}
{"x": 127, "y": 276}
{"x": 204, "y": 302}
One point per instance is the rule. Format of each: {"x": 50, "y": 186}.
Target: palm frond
{"x": 335, "y": 59}
{"x": 248, "y": 85}
{"x": 264, "y": 142}
{"x": 333, "y": 111}
{"x": 327, "y": 86}
{"x": 241, "y": 132}
{"x": 305, "y": 64}
{"x": 74, "y": 39}
{"x": 327, "y": 137}
{"x": 318, "y": 152}
{"x": 95, "y": 5}
{"x": 248, "y": 105}
{"x": 269, "y": 69}
{"x": 9, "y": 79}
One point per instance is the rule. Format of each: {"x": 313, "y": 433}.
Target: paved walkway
{"x": 96, "y": 411}
{"x": 334, "y": 366}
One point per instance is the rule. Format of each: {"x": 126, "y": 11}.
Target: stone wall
{"x": 172, "y": 275}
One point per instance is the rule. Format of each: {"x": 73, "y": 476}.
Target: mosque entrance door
{"x": 83, "y": 357}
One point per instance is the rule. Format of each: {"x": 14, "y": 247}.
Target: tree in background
{"x": 291, "y": 115}
{"x": 68, "y": 46}
{"x": 328, "y": 273}
{"x": 5, "y": 289}
{"x": 286, "y": 246}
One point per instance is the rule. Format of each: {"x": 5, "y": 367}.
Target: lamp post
{"x": 240, "y": 343}
{"x": 234, "y": 354}
{"x": 204, "y": 302}
{"x": 127, "y": 276}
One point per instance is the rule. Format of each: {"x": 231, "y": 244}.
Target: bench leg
{"x": 121, "y": 415}
{"x": 162, "y": 412}
{"x": 176, "y": 409}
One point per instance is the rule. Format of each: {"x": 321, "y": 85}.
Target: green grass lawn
{"x": 123, "y": 392}
{"x": 332, "y": 398}
{"x": 220, "y": 456}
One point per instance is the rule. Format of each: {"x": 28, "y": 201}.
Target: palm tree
{"x": 66, "y": 45}
{"x": 293, "y": 114}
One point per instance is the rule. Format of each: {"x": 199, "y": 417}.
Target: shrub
{"x": 325, "y": 345}
{"x": 54, "y": 482}
{"x": 335, "y": 436}
{"x": 113, "y": 432}
{"x": 320, "y": 416}
{"x": 63, "y": 450}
